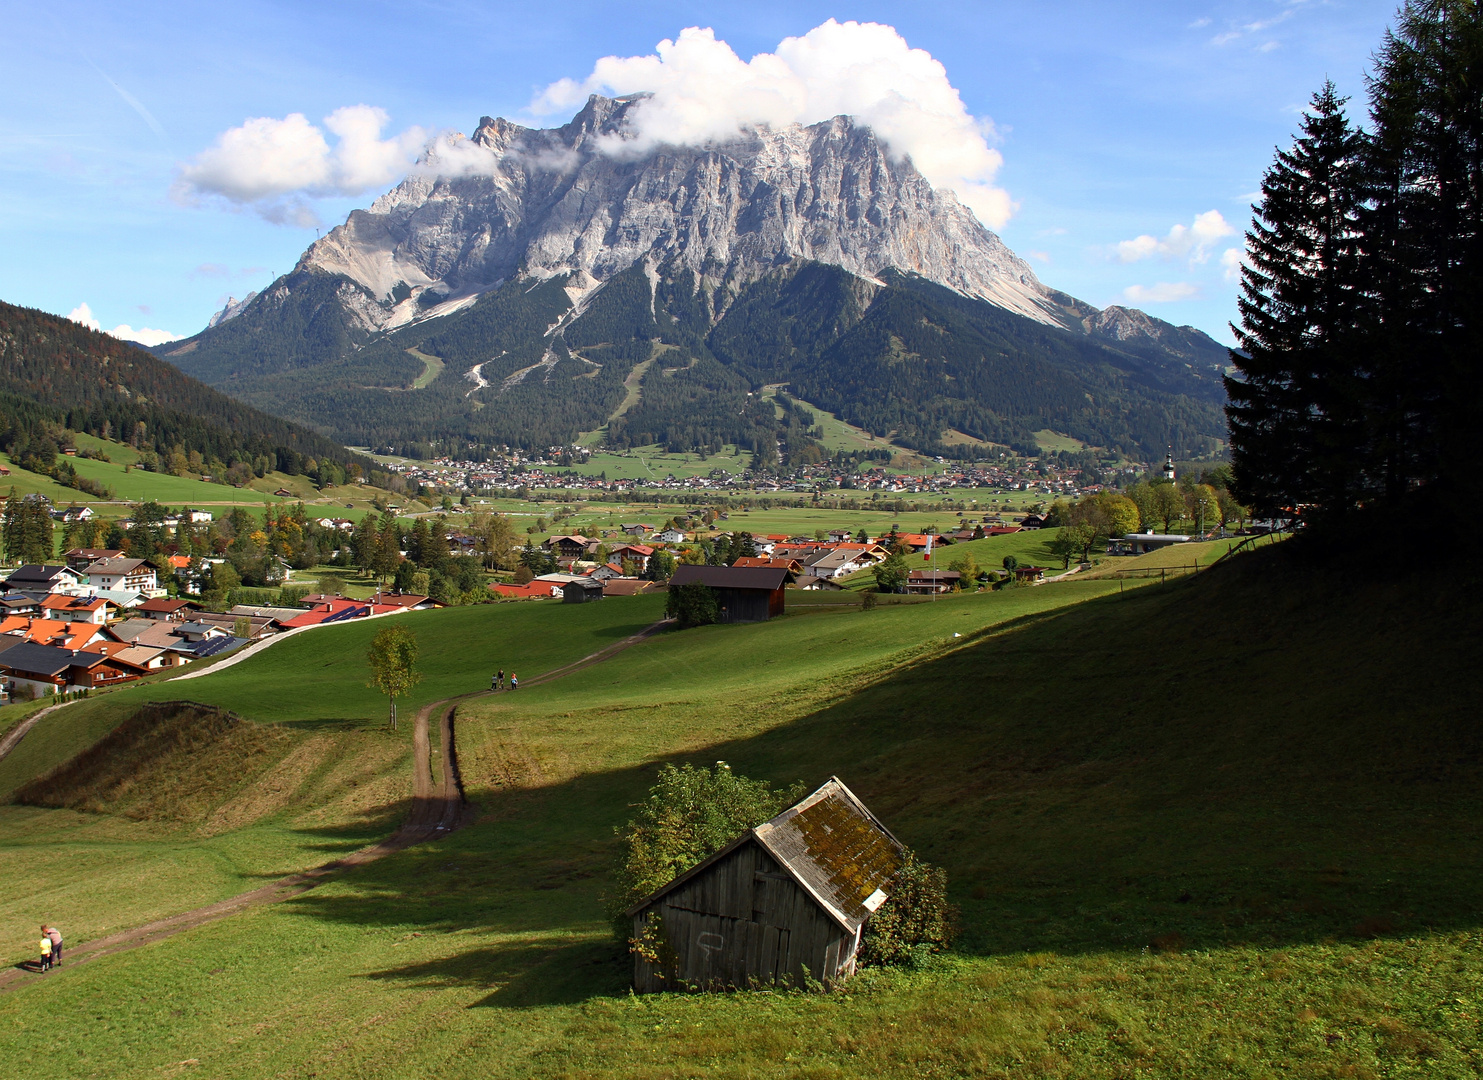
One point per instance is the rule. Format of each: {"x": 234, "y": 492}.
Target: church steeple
{"x": 1169, "y": 465}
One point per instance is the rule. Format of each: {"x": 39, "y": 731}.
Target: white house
{"x": 122, "y": 574}
{"x": 670, "y": 536}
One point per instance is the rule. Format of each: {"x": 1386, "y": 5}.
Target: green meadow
{"x": 1224, "y": 826}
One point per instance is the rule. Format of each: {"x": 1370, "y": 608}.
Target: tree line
{"x": 1357, "y": 384}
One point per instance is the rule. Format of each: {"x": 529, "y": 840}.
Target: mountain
{"x": 56, "y": 374}
{"x": 231, "y": 309}
{"x": 521, "y": 283}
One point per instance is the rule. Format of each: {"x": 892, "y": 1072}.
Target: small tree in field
{"x": 692, "y": 605}
{"x": 891, "y": 574}
{"x": 689, "y": 815}
{"x": 393, "y": 660}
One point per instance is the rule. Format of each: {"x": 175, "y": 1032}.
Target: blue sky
{"x": 1116, "y": 122}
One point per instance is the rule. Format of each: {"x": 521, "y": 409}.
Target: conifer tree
{"x": 37, "y": 543}
{"x": 1424, "y": 242}
{"x": 1295, "y": 412}
{"x": 12, "y": 529}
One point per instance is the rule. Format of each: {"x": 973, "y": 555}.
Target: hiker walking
{"x": 499, "y": 680}
{"x": 45, "y": 964}
{"x": 54, "y": 935}
{"x": 514, "y": 681}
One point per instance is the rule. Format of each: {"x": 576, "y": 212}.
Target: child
{"x": 514, "y": 681}
{"x": 45, "y": 953}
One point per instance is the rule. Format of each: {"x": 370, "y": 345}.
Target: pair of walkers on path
{"x": 498, "y": 681}
{"x": 51, "y": 947}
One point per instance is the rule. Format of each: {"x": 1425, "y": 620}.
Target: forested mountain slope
{"x": 523, "y": 366}
{"x": 55, "y": 373}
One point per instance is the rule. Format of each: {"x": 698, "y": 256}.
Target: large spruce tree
{"x": 1360, "y": 347}
{"x": 1294, "y": 412}
{"x": 1424, "y": 249}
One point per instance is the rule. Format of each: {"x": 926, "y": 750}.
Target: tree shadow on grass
{"x": 618, "y": 633}
{"x": 524, "y": 975}
{"x": 1203, "y": 765}
{"x": 342, "y": 723}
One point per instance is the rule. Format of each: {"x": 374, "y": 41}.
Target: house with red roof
{"x": 89, "y": 609}
{"x": 533, "y": 590}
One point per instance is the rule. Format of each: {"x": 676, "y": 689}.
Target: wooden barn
{"x": 744, "y": 593}
{"x": 582, "y": 591}
{"x": 782, "y": 903}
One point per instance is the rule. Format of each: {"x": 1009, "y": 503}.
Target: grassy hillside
{"x": 317, "y": 680}
{"x": 1221, "y": 827}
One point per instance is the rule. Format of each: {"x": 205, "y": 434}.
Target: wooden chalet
{"x": 48, "y": 669}
{"x": 932, "y": 581}
{"x": 783, "y": 902}
{"x": 743, "y": 593}
{"x": 567, "y": 547}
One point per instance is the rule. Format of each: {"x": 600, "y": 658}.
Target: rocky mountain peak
{"x": 231, "y": 309}
{"x": 568, "y": 202}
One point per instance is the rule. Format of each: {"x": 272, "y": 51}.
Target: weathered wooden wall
{"x": 744, "y": 922}
{"x": 746, "y": 605}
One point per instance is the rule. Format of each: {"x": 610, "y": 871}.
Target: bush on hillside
{"x": 915, "y": 922}
{"x": 891, "y": 573}
{"x": 692, "y": 605}
{"x": 690, "y": 814}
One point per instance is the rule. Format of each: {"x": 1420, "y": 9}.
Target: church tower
{"x": 1169, "y": 465}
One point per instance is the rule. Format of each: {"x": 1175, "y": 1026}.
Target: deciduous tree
{"x": 393, "y": 660}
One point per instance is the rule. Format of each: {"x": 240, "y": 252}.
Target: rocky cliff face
{"x": 231, "y": 309}
{"x": 550, "y": 270}
{"x": 566, "y": 200}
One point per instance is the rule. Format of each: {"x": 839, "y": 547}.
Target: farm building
{"x": 744, "y": 594}
{"x": 783, "y": 902}
{"x": 582, "y": 591}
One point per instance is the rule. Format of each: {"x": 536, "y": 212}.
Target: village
{"x": 512, "y": 471}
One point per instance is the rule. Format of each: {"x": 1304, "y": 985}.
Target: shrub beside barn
{"x": 784, "y": 903}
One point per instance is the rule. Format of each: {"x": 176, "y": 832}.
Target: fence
{"x": 1164, "y": 573}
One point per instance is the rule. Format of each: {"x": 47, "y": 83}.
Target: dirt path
{"x": 16, "y": 734}
{"x": 438, "y": 808}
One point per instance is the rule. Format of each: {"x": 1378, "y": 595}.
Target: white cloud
{"x": 703, "y": 92}
{"x": 1237, "y": 31}
{"x": 1190, "y": 242}
{"x": 1039, "y": 256}
{"x": 123, "y": 331}
{"x": 272, "y": 165}
{"x": 1231, "y": 261}
{"x": 1165, "y": 292}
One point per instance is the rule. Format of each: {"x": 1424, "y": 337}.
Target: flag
{"x": 926, "y": 555}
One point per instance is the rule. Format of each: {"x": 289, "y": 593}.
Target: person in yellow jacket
{"x": 56, "y": 943}
{"x": 45, "y": 953}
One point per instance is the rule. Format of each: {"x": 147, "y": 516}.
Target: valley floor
{"x": 1225, "y": 826}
